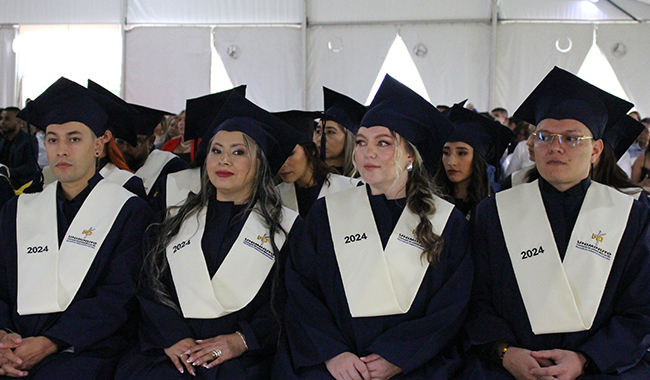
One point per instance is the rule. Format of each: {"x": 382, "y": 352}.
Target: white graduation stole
{"x": 337, "y": 183}
{"x": 377, "y": 281}
{"x": 115, "y": 175}
{"x": 49, "y": 276}
{"x": 240, "y": 276}
{"x": 559, "y": 296}
{"x": 180, "y": 184}
{"x": 152, "y": 167}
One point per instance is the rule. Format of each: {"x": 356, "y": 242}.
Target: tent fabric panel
{"x": 166, "y": 66}
{"x": 456, "y": 65}
{"x": 345, "y": 11}
{"x": 45, "y": 12}
{"x": 559, "y": 10}
{"x": 527, "y": 52}
{"x": 268, "y": 60}
{"x": 627, "y": 48}
{"x": 214, "y": 12}
{"x": 346, "y": 59}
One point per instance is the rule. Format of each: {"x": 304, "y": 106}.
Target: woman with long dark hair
{"x": 382, "y": 279}
{"x": 211, "y": 300}
{"x": 476, "y": 141}
{"x": 305, "y": 177}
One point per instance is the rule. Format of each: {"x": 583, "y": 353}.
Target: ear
{"x": 596, "y": 151}
{"x": 150, "y": 141}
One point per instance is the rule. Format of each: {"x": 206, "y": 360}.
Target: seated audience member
{"x": 305, "y": 177}
{"x": 635, "y": 150}
{"x": 562, "y": 264}
{"x": 524, "y": 155}
{"x": 121, "y": 126}
{"x": 18, "y": 149}
{"x": 184, "y": 148}
{"x": 70, "y": 255}
{"x": 148, "y": 163}
{"x": 381, "y": 282}
{"x": 211, "y": 298}
{"x": 334, "y": 135}
{"x": 475, "y": 143}
{"x": 616, "y": 140}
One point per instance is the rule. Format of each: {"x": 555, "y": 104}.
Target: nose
{"x": 556, "y": 143}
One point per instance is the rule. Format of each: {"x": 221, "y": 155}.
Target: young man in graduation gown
{"x": 562, "y": 263}
{"x": 148, "y": 163}
{"x": 70, "y": 255}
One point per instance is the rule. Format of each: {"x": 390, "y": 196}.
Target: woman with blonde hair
{"x": 382, "y": 281}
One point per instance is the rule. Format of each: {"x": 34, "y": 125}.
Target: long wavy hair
{"x": 420, "y": 199}
{"x": 479, "y": 182}
{"x": 264, "y": 200}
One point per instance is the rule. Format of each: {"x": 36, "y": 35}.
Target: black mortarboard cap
{"x": 65, "y": 101}
{"x": 121, "y": 116}
{"x": 276, "y": 138}
{"x": 201, "y": 111}
{"x": 402, "y": 110}
{"x": 622, "y": 134}
{"x": 146, "y": 119}
{"x": 343, "y": 109}
{"x": 487, "y": 137}
{"x": 302, "y": 121}
{"x": 562, "y": 95}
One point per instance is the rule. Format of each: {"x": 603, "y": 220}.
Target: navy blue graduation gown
{"x": 620, "y": 336}
{"x": 98, "y": 322}
{"x": 162, "y": 326}
{"x": 318, "y": 322}
{"x": 6, "y": 191}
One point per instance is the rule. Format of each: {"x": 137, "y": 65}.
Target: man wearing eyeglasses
{"x": 562, "y": 286}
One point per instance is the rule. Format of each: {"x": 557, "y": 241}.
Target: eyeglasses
{"x": 546, "y": 139}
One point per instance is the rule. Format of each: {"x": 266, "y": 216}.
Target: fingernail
{"x": 206, "y": 365}
{"x": 186, "y": 352}
{"x": 189, "y": 360}
{"x": 193, "y": 372}
{"x": 181, "y": 370}
{"x": 196, "y": 363}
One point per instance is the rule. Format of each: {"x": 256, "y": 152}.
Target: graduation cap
{"x": 65, "y": 101}
{"x": 147, "y": 119}
{"x": 343, "y": 110}
{"x": 489, "y": 138}
{"x": 402, "y": 110}
{"x": 201, "y": 111}
{"x": 302, "y": 121}
{"x": 621, "y": 135}
{"x": 121, "y": 116}
{"x": 562, "y": 95}
{"x": 276, "y": 138}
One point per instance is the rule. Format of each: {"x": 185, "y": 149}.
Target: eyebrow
{"x": 231, "y": 145}
{"x": 67, "y": 133}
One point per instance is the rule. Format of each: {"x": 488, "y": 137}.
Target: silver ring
{"x": 216, "y": 353}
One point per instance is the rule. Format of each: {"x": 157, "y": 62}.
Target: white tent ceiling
{"x": 285, "y": 53}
